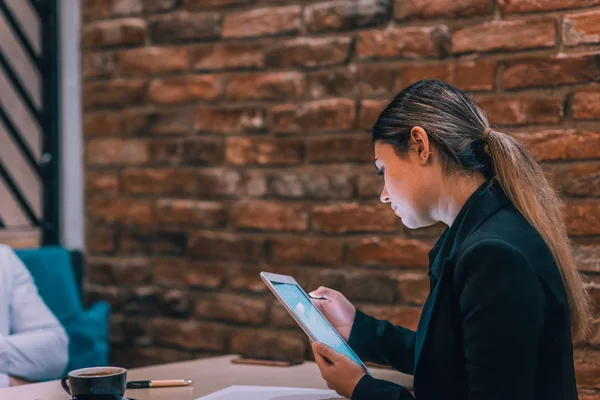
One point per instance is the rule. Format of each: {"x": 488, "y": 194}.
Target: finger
{"x": 326, "y": 351}
{"x": 323, "y": 292}
{"x": 322, "y": 363}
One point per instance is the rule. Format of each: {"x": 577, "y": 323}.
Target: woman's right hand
{"x": 336, "y": 308}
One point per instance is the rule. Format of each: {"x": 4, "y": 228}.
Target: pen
{"x": 157, "y": 384}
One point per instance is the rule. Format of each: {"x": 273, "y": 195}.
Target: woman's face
{"x": 409, "y": 183}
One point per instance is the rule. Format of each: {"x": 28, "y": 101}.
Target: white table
{"x": 209, "y": 375}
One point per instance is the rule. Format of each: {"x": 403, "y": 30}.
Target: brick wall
{"x": 226, "y": 137}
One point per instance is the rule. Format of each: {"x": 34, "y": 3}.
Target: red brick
{"x": 192, "y": 151}
{"x": 192, "y": 335}
{"x": 202, "y": 214}
{"x": 228, "y": 120}
{"x": 323, "y": 183}
{"x": 211, "y": 4}
{"x": 467, "y": 75}
{"x": 538, "y": 71}
{"x": 352, "y": 217}
{"x": 182, "y": 89}
{"x": 309, "y": 52}
{"x": 418, "y": 9}
{"x": 407, "y": 317}
{"x": 330, "y": 115}
{"x": 157, "y": 6}
{"x": 117, "y": 152}
{"x": 562, "y": 145}
{"x": 414, "y": 287}
{"x": 269, "y": 215}
{"x": 224, "y": 246}
{"x": 103, "y": 183}
{"x": 583, "y": 218}
{"x": 247, "y": 278}
{"x": 153, "y": 60}
{"x": 356, "y": 81}
{"x": 588, "y": 395}
{"x": 227, "y": 182}
{"x": 159, "y": 181}
{"x": 186, "y": 272}
{"x": 153, "y": 242}
{"x": 100, "y": 239}
{"x": 98, "y": 65}
{"x": 264, "y": 151}
{"x": 371, "y": 286}
{"x": 582, "y": 28}
{"x": 262, "y": 21}
{"x": 110, "y": 294}
{"x": 118, "y": 271}
{"x": 505, "y": 35}
{"x": 228, "y": 55}
{"x": 409, "y": 42}
{"x": 266, "y": 86}
{"x": 231, "y": 307}
{"x": 122, "y": 211}
{"x": 100, "y": 9}
{"x": 585, "y": 104}
{"x": 306, "y": 250}
{"x": 341, "y": 149}
{"x": 118, "y": 32}
{"x": 345, "y": 14}
{"x": 102, "y": 123}
{"x": 369, "y": 112}
{"x": 587, "y": 368}
{"x": 369, "y": 184}
{"x": 185, "y": 26}
{"x": 264, "y": 343}
{"x": 391, "y": 252}
{"x": 116, "y": 93}
{"x": 143, "y": 121}
{"x": 429, "y": 232}
{"x": 521, "y": 6}
{"x": 511, "y": 110}
{"x": 579, "y": 179}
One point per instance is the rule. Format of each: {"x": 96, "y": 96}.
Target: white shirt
{"x": 33, "y": 344}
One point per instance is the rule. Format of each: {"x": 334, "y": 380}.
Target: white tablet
{"x": 304, "y": 312}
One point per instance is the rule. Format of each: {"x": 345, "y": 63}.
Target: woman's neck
{"x": 454, "y": 194}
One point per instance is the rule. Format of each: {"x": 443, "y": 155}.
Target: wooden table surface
{"x": 209, "y": 375}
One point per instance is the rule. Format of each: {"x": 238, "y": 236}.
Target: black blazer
{"x": 496, "y": 322}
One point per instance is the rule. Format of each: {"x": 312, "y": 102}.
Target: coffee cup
{"x": 97, "y": 383}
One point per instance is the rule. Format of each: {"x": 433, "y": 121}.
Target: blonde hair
{"x": 460, "y": 131}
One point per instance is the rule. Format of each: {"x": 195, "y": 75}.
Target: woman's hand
{"x": 337, "y": 309}
{"x": 341, "y": 373}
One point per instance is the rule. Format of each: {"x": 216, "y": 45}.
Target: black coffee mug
{"x": 97, "y": 383}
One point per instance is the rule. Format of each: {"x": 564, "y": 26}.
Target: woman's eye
{"x": 381, "y": 171}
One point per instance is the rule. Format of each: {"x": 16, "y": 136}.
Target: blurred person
{"x": 506, "y": 298}
{"x": 33, "y": 344}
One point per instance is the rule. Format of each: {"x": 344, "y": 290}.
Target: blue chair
{"x": 59, "y": 281}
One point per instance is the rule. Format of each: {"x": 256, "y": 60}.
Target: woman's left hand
{"x": 341, "y": 373}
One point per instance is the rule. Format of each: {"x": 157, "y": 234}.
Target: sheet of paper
{"x": 271, "y": 393}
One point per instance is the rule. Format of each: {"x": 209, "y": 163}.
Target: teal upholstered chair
{"x": 59, "y": 282}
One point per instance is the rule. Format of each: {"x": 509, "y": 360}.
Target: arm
{"x": 501, "y": 306}
{"x": 370, "y": 388}
{"x": 37, "y": 348}
{"x": 383, "y": 343}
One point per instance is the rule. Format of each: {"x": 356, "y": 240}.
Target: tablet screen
{"x": 313, "y": 319}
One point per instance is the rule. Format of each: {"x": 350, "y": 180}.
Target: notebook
{"x": 271, "y": 393}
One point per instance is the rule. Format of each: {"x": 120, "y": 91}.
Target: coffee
{"x": 97, "y": 383}
{"x": 101, "y": 373}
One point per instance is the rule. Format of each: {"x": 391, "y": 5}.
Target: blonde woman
{"x": 506, "y": 297}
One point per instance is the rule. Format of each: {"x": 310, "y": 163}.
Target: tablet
{"x": 304, "y": 312}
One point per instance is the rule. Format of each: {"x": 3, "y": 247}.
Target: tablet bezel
{"x": 269, "y": 277}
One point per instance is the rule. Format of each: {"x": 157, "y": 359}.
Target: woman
{"x": 506, "y": 298}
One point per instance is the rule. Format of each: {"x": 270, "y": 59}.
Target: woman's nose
{"x": 385, "y": 198}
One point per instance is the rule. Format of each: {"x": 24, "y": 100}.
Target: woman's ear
{"x": 419, "y": 141}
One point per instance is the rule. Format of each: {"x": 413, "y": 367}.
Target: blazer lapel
{"x": 488, "y": 199}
